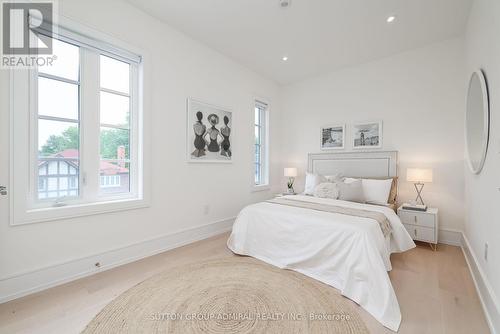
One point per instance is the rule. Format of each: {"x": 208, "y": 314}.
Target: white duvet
{"x": 349, "y": 253}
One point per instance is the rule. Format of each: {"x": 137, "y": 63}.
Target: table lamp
{"x": 419, "y": 176}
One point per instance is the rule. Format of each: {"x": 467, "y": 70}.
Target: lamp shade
{"x": 423, "y": 175}
{"x": 290, "y": 172}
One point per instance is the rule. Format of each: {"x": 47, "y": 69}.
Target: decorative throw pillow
{"x": 327, "y": 190}
{"x": 393, "y": 194}
{"x": 376, "y": 191}
{"x": 335, "y": 177}
{"x": 312, "y": 180}
{"x": 351, "y": 191}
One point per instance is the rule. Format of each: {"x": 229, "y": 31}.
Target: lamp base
{"x": 419, "y": 187}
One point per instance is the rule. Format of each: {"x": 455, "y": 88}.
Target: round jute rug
{"x": 234, "y": 295}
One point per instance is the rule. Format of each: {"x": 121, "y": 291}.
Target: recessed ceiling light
{"x": 285, "y": 58}
{"x": 391, "y": 19}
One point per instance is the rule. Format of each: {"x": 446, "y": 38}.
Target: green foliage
{"x": 67, "y": 140}
{"x": 111, "y": 139}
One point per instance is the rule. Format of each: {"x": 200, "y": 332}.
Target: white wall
{"x": 419, "y": 97}
{"x": 177, "y": 68}
{"x": 482, "y": 191}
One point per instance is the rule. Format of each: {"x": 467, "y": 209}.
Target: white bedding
{"x": 349, "y": 253}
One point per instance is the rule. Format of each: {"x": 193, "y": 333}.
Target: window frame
{"x": 23, "y": 207}
{"x": 264, "y": 144}
{"x": 34, "y": 200}
{"x": 132, "y": 130}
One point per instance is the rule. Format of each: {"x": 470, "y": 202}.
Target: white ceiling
{"x": 316, "y": 35}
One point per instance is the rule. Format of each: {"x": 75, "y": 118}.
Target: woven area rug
{"x": 234, "y": 295}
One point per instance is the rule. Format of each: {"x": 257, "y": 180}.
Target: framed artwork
{"x": 209, "y": 133}
{"x": 333, "y": 137}
{"x": 367, "y": 135}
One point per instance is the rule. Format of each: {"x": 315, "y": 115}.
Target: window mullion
{"x": 89, "y": 120}
{"x": 135, "y": 122}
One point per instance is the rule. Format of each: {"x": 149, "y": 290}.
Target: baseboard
{"x": 486, "y": 294}
{"x": 451, "y": 237}
{"x": 22, "y": 284}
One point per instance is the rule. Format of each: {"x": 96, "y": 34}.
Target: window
{"x": 115, "y": 124}
{"x": 261, "y": 166}
{"x": 83, "y": 127}
{"x": 58, "y": 126}
{"x": 59, "y": 100}
{"x": 59, "y": 120}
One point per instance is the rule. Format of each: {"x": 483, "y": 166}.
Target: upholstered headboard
{"x": 355, "y": 164}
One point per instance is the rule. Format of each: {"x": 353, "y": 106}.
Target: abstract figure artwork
{"x": 199, "y": 131}
{"x": 208, "y": 141}
{"x": 226, "y": 144}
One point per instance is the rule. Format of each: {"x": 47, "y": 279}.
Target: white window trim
{"x": 265, "y": 154}
{"x": 21, "y": 148}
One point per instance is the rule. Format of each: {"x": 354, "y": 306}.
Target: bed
{"x": 347, "y": 251}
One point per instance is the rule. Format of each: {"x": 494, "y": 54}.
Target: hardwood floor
{"x": 435, "y": 292}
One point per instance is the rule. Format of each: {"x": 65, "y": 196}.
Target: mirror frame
{"x": 486, "y": 117}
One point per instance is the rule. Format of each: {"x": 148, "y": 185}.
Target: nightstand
{"x": 421, "y": 225}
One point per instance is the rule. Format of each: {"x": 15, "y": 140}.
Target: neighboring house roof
{"x": 68, "y": 153}
{"x": 109, "y": 168}
{"x": 105, "y": 167}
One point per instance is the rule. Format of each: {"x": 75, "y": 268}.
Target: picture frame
{"x": 367, "y": 135}
{"x": 209, "y": 133}
{"x": 332, "y": 137}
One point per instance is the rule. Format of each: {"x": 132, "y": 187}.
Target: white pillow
{"x": 376, "y": 191}
{"x": 327, "y": 190}
{"x": 312, "y": 180}
{"x": 351, "y": 191}
{"x": 350, "y": 180}
{"x": 335, "y": 177}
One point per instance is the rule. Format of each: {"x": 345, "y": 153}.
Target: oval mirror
{"x": 477, "y": 122}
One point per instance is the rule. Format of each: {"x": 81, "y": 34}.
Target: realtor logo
{"x": 27, "y": 31}
{"x": 20, "y": 23}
